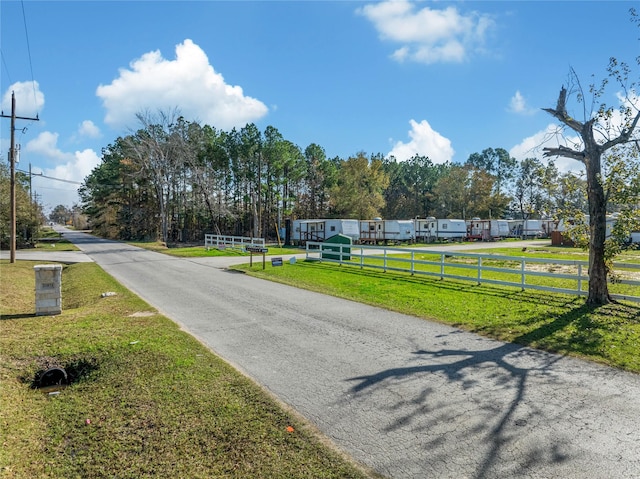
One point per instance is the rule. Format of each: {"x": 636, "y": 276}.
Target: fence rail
{"x": 217, "y": 241}
{"x": 558, "y": 276}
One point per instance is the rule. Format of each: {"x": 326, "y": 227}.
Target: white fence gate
{"x": 239, "y": 242}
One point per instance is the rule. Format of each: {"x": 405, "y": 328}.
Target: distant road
{"x": 407, "y": 397}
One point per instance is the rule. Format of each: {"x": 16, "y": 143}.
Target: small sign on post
{"x": 259, "y": 250}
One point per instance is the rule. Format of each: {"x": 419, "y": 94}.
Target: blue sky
{"x": 441, "y": 79}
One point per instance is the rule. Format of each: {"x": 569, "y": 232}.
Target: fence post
{"x": 479, "y": 270}
{"x": 522, "y": 274}
{"x": 441, "y": 265}
{"x": 579, "y": 278}
{"x": 413, "y": 258}
{"x": 361, "y": 257}
{"x": 385, "y": 259}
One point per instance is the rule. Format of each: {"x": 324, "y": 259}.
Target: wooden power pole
{"x": 12, "y": 160}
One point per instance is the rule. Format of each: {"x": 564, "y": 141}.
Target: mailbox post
{"x": 48, "y": 289}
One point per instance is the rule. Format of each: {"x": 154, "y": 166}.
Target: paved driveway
{"x": 407, "y": 397}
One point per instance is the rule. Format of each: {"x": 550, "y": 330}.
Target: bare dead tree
{"x": 158, "y": 153}
{"x": 590, "y": 155}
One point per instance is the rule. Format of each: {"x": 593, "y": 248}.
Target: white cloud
{"x": 29, "y": 99}
{"x": 72, "y": 167}
{"x": 551, "y": 137}
{"x": 428, "y": 35}
{"x": 46, "y": 144}
{"x": 425, "y": 142}
{"x": 518, "y": 104}
{"x": 618, "y": 121}
{"x": 79, "y": 166}
{"x": 188, "y": 83}
{"x": 88, "y": 129}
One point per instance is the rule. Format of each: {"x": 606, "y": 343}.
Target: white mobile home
{"x": 609, "y": 223}
{"x": 499, "y": 228}
{"x": 515, "y": 228}
{"x": 379, "y": 230}
{"x": 321, "y": 229}
{"x": 533, "y": 229}
{"x": 433, "y": 229}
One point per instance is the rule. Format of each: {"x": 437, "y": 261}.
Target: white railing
{"x": 223, "y": 241}
{"x": 474, "y": 266}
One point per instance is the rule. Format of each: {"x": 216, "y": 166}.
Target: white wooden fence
{"x": 526, "y": 272}
{"x": 223, "y": 241}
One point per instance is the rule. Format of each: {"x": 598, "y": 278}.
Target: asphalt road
{"x": 407, "y": 397}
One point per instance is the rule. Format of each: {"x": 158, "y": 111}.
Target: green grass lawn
{"x": 553, "y": 322}
{"x": 62, "y": 245}
{"x": 146, "y": 399}
{"x": 509, "y": 260}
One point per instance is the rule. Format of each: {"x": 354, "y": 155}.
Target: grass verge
{"x": 145, "y": 400}
{"x": 552, "y": 322}
{"x": 61, "y": 245}
{"x": 49, "y": 239}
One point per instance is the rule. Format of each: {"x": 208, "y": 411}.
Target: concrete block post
{"x": 48, "y": 289}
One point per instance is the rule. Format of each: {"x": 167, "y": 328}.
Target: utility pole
{"x": 12, "y": 160}
{"x": 30, "y": 184}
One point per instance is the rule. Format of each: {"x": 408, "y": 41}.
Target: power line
{"x": 33, "y": 82}
{"x": 6, "y": 68}
{"x": 50, "y": 188}
{"x": 51, "y": 177}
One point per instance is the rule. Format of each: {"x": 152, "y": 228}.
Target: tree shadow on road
{"x": 490, "y": 401}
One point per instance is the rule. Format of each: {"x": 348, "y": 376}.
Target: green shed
{"x": 337, "y": 240}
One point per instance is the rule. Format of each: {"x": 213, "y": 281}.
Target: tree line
{"x": 176, "y": 180}
{"x": 29, "y": 214}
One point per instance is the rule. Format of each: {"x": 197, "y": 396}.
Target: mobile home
{"x": 433, "y": 229}
{"x": 499, "y": 228}
{"x": 562, "y": 226}
{"x": 321, "y": 229}
{"x": 515, "y": 228}
{"x": 478, "y": 229}
{"x": 533, "y": 229}
{"x": 379, "y": 230}
{"x": 487, "y": 230}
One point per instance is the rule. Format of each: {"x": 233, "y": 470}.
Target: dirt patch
{"x": 570, "y": 269}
